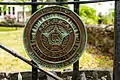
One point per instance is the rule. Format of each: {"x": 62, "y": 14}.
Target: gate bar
{"x": 34, "y": 69}
{"x": 28, "y": 62}
{"x": 116, "y": 74}
{"x": 34, "y": 6}
{"x": 52, "y": 3}
{"x": 75, "y": 74}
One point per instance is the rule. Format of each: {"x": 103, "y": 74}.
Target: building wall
{"x": 14, "y": 10}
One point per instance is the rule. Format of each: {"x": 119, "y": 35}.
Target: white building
{"x": 22, "y": 13}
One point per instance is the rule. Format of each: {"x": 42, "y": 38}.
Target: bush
{"x": 108, "y": 18}
{"x": 88, "y": 15}
{"x": 9, "y": 19}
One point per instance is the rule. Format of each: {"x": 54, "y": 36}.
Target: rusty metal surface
{"x": 54, "y": 37}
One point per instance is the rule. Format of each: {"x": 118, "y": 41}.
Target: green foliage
{"x": 88, "y": 15}
{"x": 109, "y": 18}
{"x": 106, "y": 19}
{"x": 113, "y": 16}
{"x": 9, "y": 19}
{"x": 4, "y": 29}
{"x": 4, "y": 8}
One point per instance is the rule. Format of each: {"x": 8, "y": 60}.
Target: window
{"x": 0, "y": 11}
{"x": 8, "y": 10}
{"x": 13, "y": 10}
{"x": 4, "y": 12}
{"x": 4, "y": 9}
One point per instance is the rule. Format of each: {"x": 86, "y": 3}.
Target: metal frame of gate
{"x": 34, "y": 3}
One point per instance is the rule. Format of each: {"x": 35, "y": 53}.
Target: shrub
{"x": 108, "y": 18}
{"x": 9, "y": 19}
{"x": 88, "y": 15}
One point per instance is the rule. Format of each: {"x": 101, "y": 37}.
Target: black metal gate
{"x": 34, "y": 4}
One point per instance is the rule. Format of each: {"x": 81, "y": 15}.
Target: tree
{"x": 109, "y": 18}
{"x": 88, "y": 15}
{"x": 111, "y": 14}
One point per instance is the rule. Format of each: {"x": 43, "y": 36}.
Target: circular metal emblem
{"x": 54, "y": 37}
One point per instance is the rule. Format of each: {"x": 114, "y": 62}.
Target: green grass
{"x": 3, "y": 29}
{"x": 12, "y": 38}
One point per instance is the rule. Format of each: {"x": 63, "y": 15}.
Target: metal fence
{"x": 76, "y": 3}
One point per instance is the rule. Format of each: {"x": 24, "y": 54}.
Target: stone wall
{"x": 65, "y": 75}
{"x": 102, "y": 37}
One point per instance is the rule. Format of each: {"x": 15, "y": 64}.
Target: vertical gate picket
{"x": 76, "y": 64}
{"x": 34, "y": 70}
{"x": 34, "y": 7}
{"x": 116, "y": 74}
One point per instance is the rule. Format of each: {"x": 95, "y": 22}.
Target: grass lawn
{"x": 12, "y": 38}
